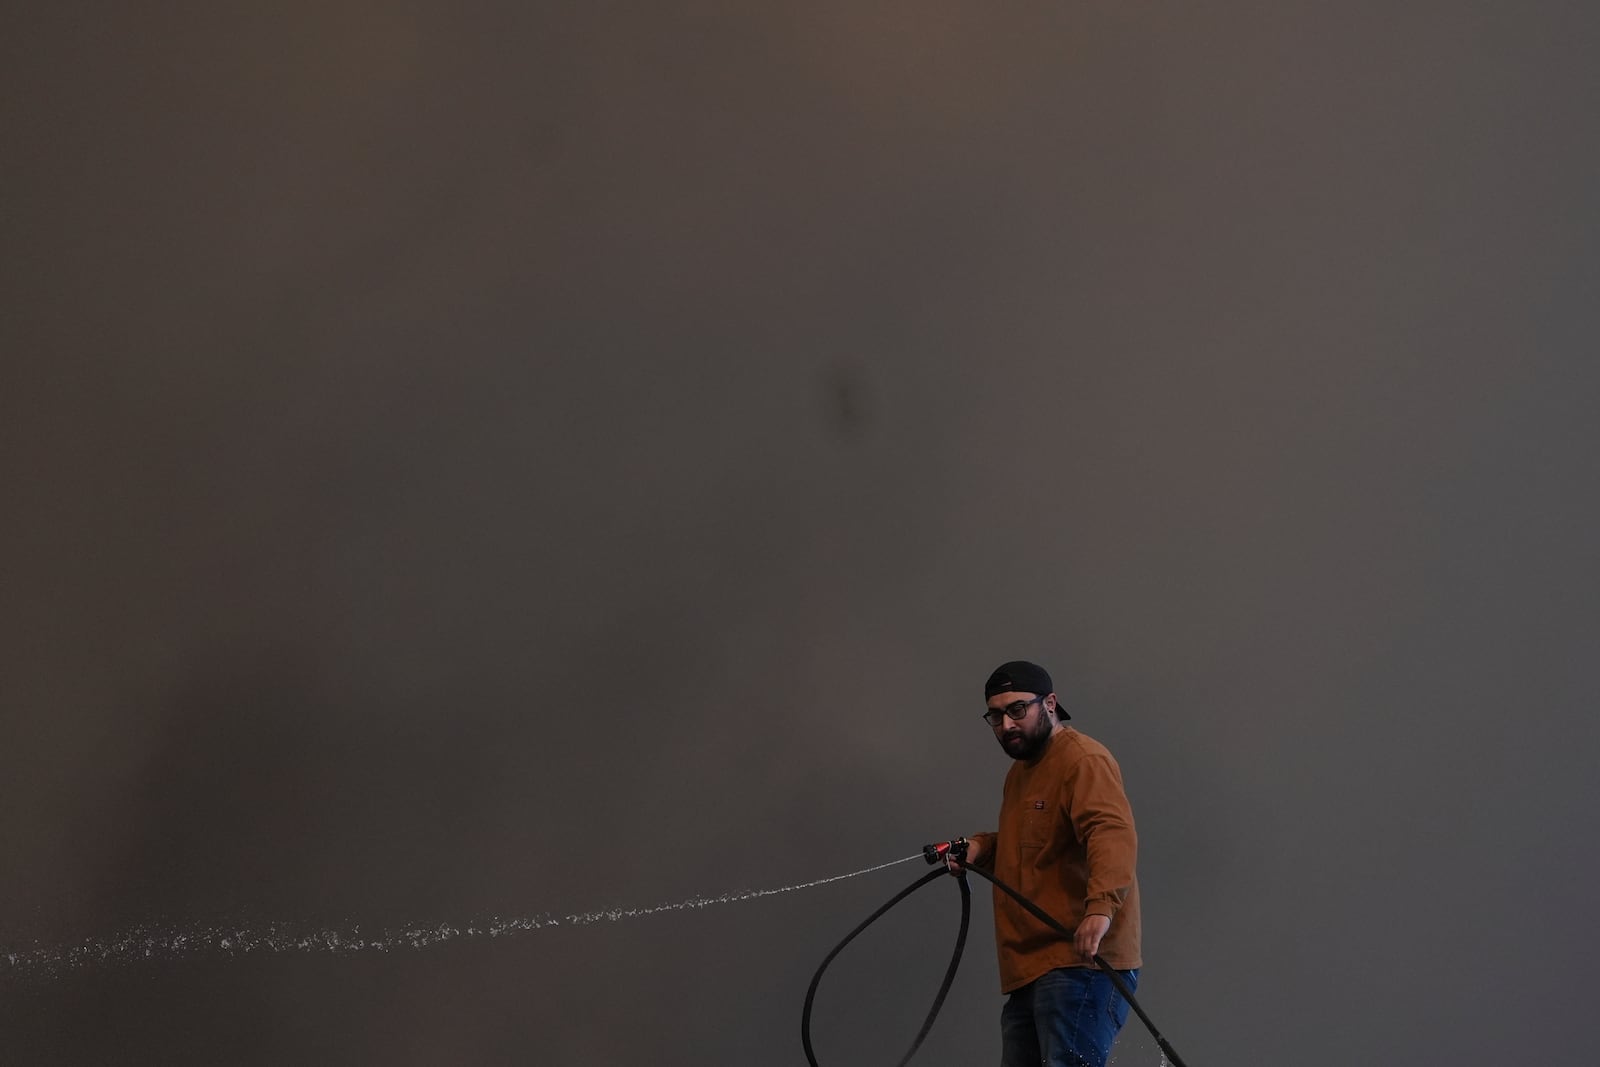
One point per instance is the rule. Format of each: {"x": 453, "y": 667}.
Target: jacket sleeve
{"x": 1094, "y": 800}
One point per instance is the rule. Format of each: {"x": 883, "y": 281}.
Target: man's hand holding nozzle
{"x": 953, "y": 861}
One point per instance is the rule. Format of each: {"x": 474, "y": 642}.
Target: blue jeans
{"x": 1064, "y": 1018}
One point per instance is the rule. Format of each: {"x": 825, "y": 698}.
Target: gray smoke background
{"x": 502, "y": 459}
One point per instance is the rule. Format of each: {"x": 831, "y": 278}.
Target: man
{"x": 1066, "y": 841}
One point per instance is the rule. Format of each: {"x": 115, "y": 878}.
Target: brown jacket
{"x": 1066, "y": 841}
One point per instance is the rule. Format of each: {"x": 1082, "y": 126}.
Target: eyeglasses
{"x": 1011, "y": 711}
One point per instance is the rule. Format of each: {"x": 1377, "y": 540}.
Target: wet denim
{"x": 1064, "y": 1018}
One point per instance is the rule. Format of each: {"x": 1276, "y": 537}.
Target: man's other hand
{"x": 1090, "y": 931}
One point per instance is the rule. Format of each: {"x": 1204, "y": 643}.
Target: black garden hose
{"x": 944, "y": 988}
{"x": 935, "y": 854}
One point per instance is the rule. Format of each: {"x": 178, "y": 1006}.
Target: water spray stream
{"x": 153, "y": 942}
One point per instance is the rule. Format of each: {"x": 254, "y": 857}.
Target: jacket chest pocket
{"x": 1037, "y": 824}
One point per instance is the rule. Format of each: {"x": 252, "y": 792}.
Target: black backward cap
{"x": 1020, "y": 676}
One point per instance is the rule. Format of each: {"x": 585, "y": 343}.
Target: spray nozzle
{"x": 940, "y": 849}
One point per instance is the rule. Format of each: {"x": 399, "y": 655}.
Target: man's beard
{"x": 1027, "y": 745}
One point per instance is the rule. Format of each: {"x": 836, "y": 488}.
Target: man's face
{"x": 1026, "y": 737}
